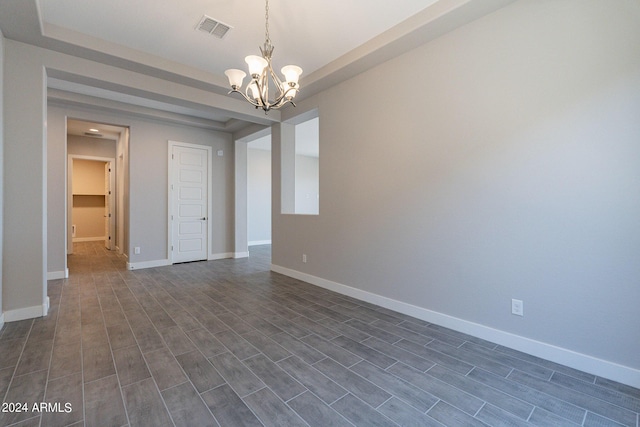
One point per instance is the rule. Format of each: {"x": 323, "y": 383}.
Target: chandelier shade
{"x": 262, "y": 77}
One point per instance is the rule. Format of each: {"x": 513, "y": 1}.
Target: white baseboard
{"x": 88, "y": 239}
{"x": 259, "y": 242}
{"x": 27, "y": 312}
{"x": 165, "y": 262}
{"x": 147, "y": 264}
{"x": 53, "y": 275}
{"x": 1, "y": 320}
{"x": 213, "y": 257}
{"x": 241, "y": 255}
{"x": 564, "y": 356}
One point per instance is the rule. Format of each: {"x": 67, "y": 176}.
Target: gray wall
{"x": 508, "y": 168}
{"x": 25, "y": 199}
{"x": 258, "y": 195}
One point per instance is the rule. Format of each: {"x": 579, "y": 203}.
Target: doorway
{"x": 259, "y": 191}
{"x": 103, "y": 196}
{"x": 92, "y": 199}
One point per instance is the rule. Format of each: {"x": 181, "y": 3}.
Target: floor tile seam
{"x": 410, "y": 354}
{"x": 299, "y": 394}
{"x": 473, "y": 365}
{"x": 373, "y": 336}
{"x": 518, "y": 361}
{"x": 550, "y": 396}
{"x": 361, "y": 357}
{"x": 552, "y": 366}
{"x": 329, "y": 405}
{"x": 591, "y": 396}
{"x": 634, "y": 392}
{"x": 352, "y": 372}
{"x": 262, "y": 352}
{"x": 446, "y": 384}
{"x": 636, "y": 401}
{"x": 197, "y": 393}
{"x": 407, "y": 383}
{"x": 490, "y": 387}
{"x": 345, "y": 418}
{"x": 316, "y": 373}
{"x": 431, "y": 339}
{"x": 605, "y": 417}
{"x": 113, "y": 359}
{"x": 53, "y": 341}
{"x": 164, "y": 403}
{"x": 22, "y": 421}
{"x": 15, "y": 368}
{"x": 586, "y": 410}
{"x": 428, "y": 360}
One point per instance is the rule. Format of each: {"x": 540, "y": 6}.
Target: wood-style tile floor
{"x": 230, "y": 343}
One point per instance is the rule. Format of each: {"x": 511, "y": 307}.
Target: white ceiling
{"x": 308, "y": 33}
{"x": 332, "y": 40}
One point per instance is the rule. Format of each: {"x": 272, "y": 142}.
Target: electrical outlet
{"x": 517, "y": 307}
{"x": 304, "y": 258}
{"x": 136, "y": 250}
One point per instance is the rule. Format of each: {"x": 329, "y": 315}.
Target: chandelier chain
{"x": 266, "y": 22}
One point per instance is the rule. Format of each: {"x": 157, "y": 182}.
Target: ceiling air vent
{"x": 213, "y": 27}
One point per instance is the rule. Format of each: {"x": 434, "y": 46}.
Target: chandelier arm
{"x": 278, "y": 83}
{"x": 263, "y": 89}
{"x": 251, "y": 101}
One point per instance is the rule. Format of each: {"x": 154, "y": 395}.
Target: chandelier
{"x": 261, "y": 71}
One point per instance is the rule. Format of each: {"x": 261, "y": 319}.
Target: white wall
{"x": 307, "y": 185}
{"x": 258, "y": 196}
{"x": 88, "y": 146}
{"x": 507, "y": 169}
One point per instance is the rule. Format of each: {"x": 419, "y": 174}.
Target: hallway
{"x": 230, "y": 343}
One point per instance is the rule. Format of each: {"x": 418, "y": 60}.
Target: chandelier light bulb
{"x": 256, "y": 64}
{"x": 236, "y": 77}
{"x": 255, "y": 91}
{"x": 291, "y": 74}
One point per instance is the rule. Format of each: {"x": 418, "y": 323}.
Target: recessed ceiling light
{"x": 94, "y": 130}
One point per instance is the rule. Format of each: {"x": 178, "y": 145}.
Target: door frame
{"x": 209, "y": 150}
{"x": 112, "y": 197}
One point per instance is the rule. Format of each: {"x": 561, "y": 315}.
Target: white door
{"x": 189, "y": 192}
{"x": 109, "y": 223}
